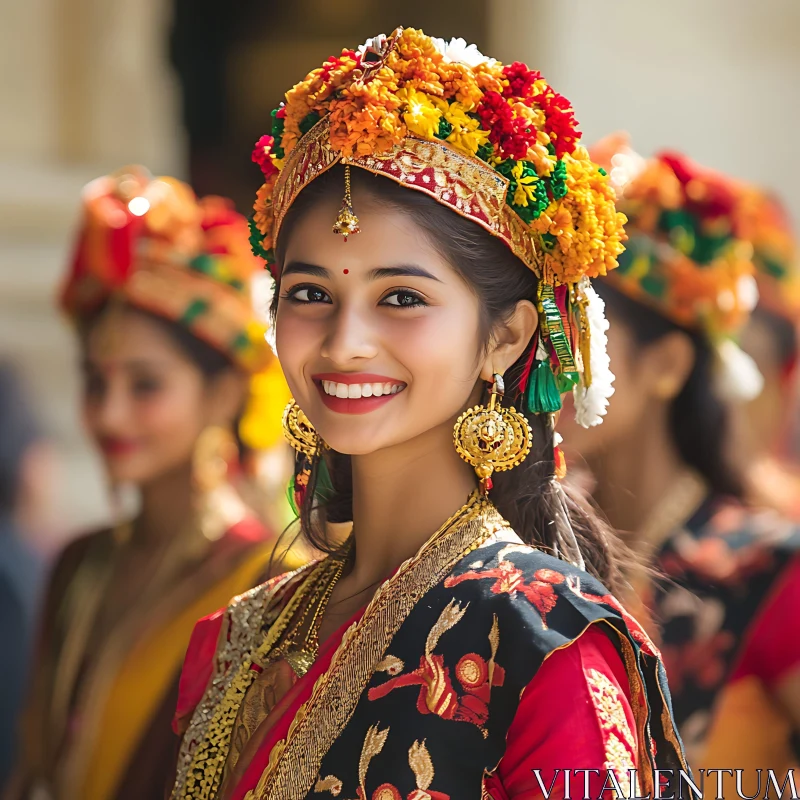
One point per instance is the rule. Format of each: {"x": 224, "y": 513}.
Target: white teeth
{"x": 355, "y": 391}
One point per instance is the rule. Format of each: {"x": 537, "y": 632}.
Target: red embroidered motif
{"x": 437, "y": 694}
{"x": 637, "y": 632}
{"x": 509, "y": 579}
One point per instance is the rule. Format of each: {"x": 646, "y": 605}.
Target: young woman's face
{"x": 145, "y": 403}
{"x": 378, "y": 336}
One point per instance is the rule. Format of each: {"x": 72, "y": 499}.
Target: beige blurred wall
{"x": 84, "y": 88}
{"x": 719, "y": 79}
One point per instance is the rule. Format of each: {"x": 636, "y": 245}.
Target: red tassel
{"x": 526, "y": 373}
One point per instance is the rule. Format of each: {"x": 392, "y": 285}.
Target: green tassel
{"x": 543, "y": 395}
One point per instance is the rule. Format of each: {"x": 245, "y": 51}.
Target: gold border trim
{"x": 295, "y": 761}
{"x": 465, "y": 184}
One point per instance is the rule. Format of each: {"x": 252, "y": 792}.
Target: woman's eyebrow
{"x": 401, "y": 271}
{"x": 301, "y": 268}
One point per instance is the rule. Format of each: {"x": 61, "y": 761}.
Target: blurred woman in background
{"x": 160, "y": 292}
{"x": 728, "y": 606}
{"x": 768, "y": 426}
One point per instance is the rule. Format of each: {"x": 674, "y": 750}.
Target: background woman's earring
{"x": 214, "y": 452}
{"x": 301, "y": 435}
{"x": 492, "y": 439}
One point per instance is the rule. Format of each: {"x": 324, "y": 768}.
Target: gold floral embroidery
{"x": 390, "y": 664}
{"x": 330, "y": 783}
{"x": 471, "y": 187}
{"x": 611, "y": 714}
{"x": 419, "y": 759}
{"x": 373, "y": 744}
{"x": 294, "y": 762}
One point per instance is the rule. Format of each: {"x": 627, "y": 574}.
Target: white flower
{"x": 591, "y": 402}
{"x": 738, "y": 378}
{"x": 457, "y": 51}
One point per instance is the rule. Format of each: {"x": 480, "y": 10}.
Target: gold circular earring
{"x": 299, "y": 432}
{"x": 492, "y": 439}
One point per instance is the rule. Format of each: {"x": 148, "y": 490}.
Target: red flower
{"x": 560, "y": 123}
{"x": 520, "y": 80}
{"x": 261, "y": 155}
{"x": 708, "y": 195}
{"x": 511, "y": 135}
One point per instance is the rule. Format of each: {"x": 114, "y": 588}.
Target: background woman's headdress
{"x": 691, "y": 251}
{"x": 497, "y": 145}
{"x": 151, "y": 243}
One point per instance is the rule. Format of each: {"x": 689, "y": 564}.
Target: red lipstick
{"x": 118, "y": 447}
{"x": 370, "y": 383}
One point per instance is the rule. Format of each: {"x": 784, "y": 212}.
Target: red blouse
{"x": 590, "y": 734}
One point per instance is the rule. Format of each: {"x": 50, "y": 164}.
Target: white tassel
{"x": 738, "y": 378}
{"x": 591, "y": 402}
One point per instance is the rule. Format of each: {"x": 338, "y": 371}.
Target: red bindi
{"x": 346, "y": 271}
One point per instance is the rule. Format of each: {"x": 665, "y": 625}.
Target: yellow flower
{"x": 586, "y": 225}
{"x": 421, "y": 116}
{"x": 260, "y": 426}
{"x": 526, "y": 185}
{"x": 466, "y": 135}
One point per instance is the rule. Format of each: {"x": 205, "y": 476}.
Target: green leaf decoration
{"x": 277, "y": 133}
{"x": 309, "y": 121}
{"x": 256, "y": 246}
{"x": 485, "y": 151}
{"x": 445, "y": 129}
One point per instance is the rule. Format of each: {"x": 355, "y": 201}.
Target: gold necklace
{"x": 301, "y": 657}
{"x": 203, "y": 775}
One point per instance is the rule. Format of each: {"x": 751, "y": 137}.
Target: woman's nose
{"x": 352, "y": 337}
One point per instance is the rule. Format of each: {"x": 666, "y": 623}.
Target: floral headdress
{"x": 497, "y": 145}
{"x": 690, "y": 252}
{"x": 151, "y": 243}
{"x": 776, "y": 254}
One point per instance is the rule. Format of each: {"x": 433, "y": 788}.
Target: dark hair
{"x": 699, "y": 421}
{"x": 526, "y": 496}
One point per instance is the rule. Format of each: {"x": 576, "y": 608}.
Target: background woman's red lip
{"x": 118, "y": 447}
{"x": 354, "y": 377}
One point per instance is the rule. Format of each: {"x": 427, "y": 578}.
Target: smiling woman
{"x": 426, "y": 220}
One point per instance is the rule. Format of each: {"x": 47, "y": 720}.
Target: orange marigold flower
{"x": 414, "y": 45}
{"x": 459, "y": 82}
{"x": 262, "y": 208}
{"x": 490, "y": 78}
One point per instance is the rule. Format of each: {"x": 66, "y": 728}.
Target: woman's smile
{"x": 356, "y": 393}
